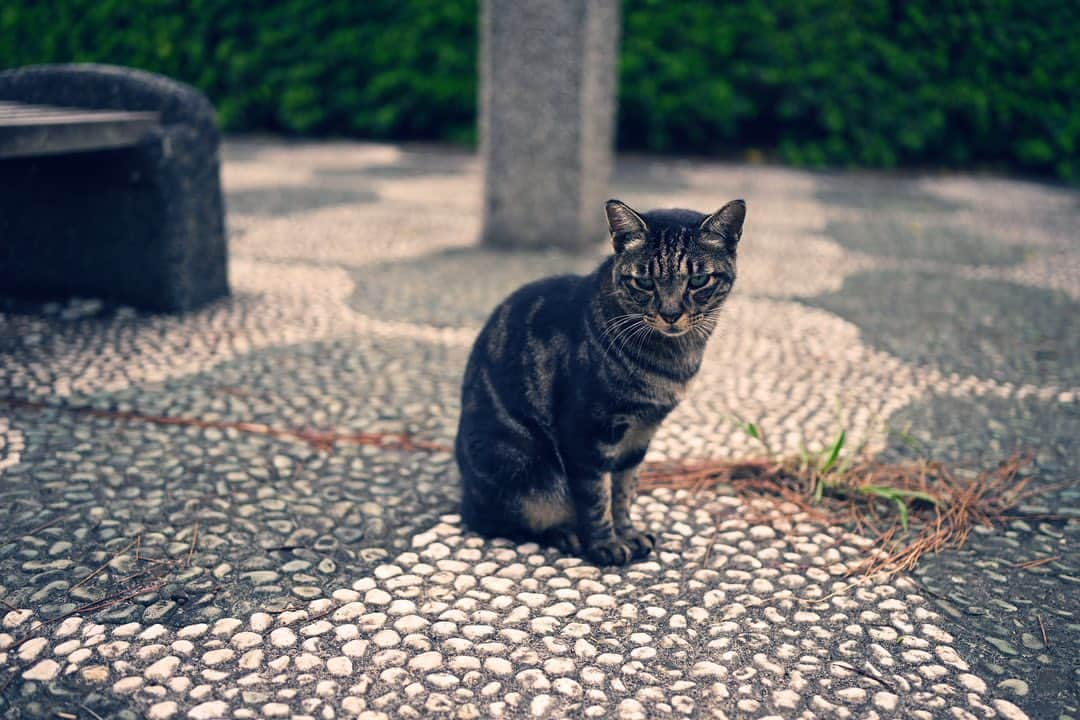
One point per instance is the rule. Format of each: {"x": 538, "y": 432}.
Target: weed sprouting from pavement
{"x": 909, "y": 509}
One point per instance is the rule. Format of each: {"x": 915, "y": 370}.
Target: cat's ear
{"x": 628, "y": 229}
{"x": 724, "y": 227}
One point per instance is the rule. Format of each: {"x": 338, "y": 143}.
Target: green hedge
{"x": 816, "y": 82}
{"x": 859, "y": 82}
{"x": 372, "y": 68}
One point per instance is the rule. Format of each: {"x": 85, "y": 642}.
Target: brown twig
{"x": 103, "y": 604}
{"x": 319, "y": 439}
{"x": 290, "y": 608}
{"x": 8, "y": 605}
{"x": 1028, "y": 564}
{"x": 96, "y": 716}
{"x": 48, "y": 524}
{"x": 194, "y": 539}
{"x": 114, "y": 600}
{"x": 858, "y": 671}
{"x": 129, "y": 578}
{"x": 1042, "y": 628}
{"x": 321, "y": 615}
{"x": 708, "y": 552}
{"x": 104, "y": 565}
{"x": 835, "y": 593}
{"x": 940, "y": 506}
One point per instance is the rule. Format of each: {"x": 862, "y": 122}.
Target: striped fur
{"x": 571, "y": 377}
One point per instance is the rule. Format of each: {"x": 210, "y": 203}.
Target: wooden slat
{"x": 21, "y": 114}
{"x": 48, "y": 130}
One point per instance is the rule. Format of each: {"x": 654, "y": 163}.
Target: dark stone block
{"x": 142, "y": 225}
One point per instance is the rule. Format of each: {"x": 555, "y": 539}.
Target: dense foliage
{"x": 373, "y": 68}
{"x": 865, "y": 82}
{"x": 817, "y": 82}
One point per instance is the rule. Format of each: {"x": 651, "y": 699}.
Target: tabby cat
{"x": 571, "y": 376}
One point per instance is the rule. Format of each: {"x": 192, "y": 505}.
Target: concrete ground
{"x": 209, "y": 569}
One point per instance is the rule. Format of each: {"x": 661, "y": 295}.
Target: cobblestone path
{"x": 212, "y": 568}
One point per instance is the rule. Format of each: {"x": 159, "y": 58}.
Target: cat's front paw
{"x": 562, "y": 538}
{"x": 640, "y": 543}
{"x": 610, "y": 552}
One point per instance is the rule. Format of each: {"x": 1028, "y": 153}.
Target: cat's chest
{"x": 664, "y": 388}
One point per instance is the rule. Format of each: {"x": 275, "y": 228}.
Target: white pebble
{"x": 246, "y": 639}
{"x": 216, "y": 657}
{"x": 972, "y": 683}
{"x": 162, "y": 710}
{"x": 706, "y": 668}
{"x": 192, "y": 631}
{"x": 376, "y": 596}
{"x": 498, "y": 666}
{"x": 885, "y": 700}
{"x": 209, "y": 710}
{"x": 427, "y": 661}
{"x": 260, "y": 621}
{"x": 340, "y": 665}
{"x": 541, "y": 706}
{"x": 386, "y": 638}
{"x": 44, "y": 670}
{"x": 283, "y": 637}
{"x": 1009, "y": 711}
{"x": 163, "y": 669}
{"x": 631, "y": 709}
{"x": 316, "y": 628}
{"x": 852, "y": 694}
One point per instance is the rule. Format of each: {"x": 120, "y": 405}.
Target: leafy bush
{"x": 858, "y": 82}
{"x": 375, "y": 68}
{"x": 819, "y": 82}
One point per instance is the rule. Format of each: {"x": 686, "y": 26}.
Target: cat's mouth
{"x": 669, "y": 329}
{"x": 672, "y": 331}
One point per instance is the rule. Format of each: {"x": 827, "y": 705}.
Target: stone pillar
{"x": 547, "y": 110}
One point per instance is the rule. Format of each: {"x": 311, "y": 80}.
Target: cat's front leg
{"x": 592, "y": 498}
{"x": 624, "y": 484}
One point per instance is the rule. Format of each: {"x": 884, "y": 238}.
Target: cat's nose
{"x": 671, "y": 316}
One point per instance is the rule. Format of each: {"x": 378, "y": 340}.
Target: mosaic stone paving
{"x": 212, "y": 569}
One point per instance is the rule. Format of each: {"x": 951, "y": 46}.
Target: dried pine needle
{"x": 908, "y": 509}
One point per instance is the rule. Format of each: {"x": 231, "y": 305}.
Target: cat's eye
{"x": 698, "y": 281}
{"x": 644, "y": 283}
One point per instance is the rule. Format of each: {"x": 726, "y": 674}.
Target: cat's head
{"x": 675, "y": 267}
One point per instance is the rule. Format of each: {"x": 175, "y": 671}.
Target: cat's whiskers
{"x": 619, "y": 332}
{"x": 703, "y": 324}
{"x": 698, "y": 330}
{"x": 712, "y": 316}
{"x": 628, "y": 338}
{"x": 619, "y": 327}
{"x": 626, "y": 333}
{"x": 620, "y": 320}
{"x": 642, "y": 336}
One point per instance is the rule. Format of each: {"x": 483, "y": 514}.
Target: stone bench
{"x": 109, "y": 187}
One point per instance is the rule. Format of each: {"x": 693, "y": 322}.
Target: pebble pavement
{"x": 211, "y": 569}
